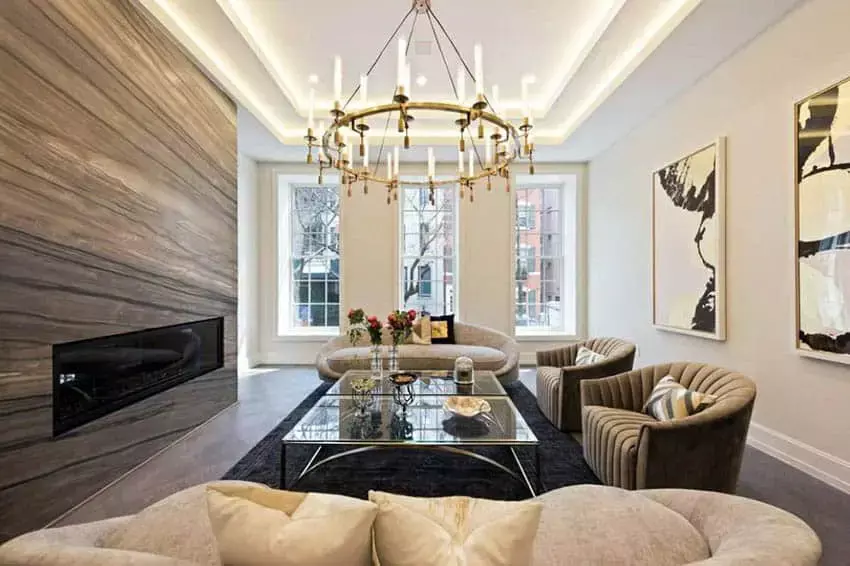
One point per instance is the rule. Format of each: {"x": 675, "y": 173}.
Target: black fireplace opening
{"x": 95, "y": 377}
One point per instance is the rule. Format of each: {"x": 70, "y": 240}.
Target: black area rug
{"x": 420, "y": 473}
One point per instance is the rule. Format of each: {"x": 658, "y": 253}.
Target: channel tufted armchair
{"x": 558, "y": 378}
{"x": 630, "y": 449}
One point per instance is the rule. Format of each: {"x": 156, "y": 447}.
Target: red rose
{"x": 411, "y": 314}
{"x": 372, "y": 318}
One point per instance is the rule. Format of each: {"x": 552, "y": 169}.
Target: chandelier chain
{"x": 389, "y": 114}
{"x": 459, "y": 56}
{"x": 442, "y": 53}
{"x": 383, "y": 49}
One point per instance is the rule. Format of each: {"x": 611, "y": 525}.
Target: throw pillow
{"x": 443, "y": 329}
{"x": 671, "y": 400}
{"x": 586, "y": 356}
{"x": 421, "y": 333}
{"x": 177, "y": 527}
{"x": 257, "y": 525}
{"x": 453, "y": 531}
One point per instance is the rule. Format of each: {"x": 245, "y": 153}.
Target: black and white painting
{"x": 823, "y": 224}
{"x": 688, "y": 244}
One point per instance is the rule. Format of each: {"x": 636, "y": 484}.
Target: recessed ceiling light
{"x": 421, "y": 80}
{"x": 313, "y": 79}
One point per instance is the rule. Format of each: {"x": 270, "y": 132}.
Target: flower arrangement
{"x": 356, "y": 325}
{"x": 374, "y": 327}
{"x": 400, "y": 324}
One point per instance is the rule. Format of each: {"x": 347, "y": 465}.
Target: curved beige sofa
{"x": 489, "y": 350}
{"x": 584, "y": 524}
{"x": 628, "y": 448}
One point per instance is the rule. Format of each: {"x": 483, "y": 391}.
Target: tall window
{"x": 545, "y": 250}
{"x": 309, "y": 247}
{"x": 428, "y": 261}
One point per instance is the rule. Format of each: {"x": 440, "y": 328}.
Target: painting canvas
{"x": 823, "y": 224}
{"x": 688, "y": 244}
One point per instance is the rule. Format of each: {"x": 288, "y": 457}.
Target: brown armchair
{"x": 558, "y": 377}
{"x": 629, "y": 449}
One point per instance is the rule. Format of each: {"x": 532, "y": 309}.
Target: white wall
{"x": 248, "y": 259}
{"x": 801, "y": 411}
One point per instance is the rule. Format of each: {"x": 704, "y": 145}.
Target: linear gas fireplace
{"x": 92, "y": 378}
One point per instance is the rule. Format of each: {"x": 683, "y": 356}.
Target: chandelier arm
{"x": 383, "y": 50}
{"x": 442, "y": 53}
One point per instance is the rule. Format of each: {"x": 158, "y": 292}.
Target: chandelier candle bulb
{"x": 389, "y": 166}
{"x": 526, "y": 111}
{"x": 461, "y": 85}
{"x": 479, "y": 70}
{"x": 431, "y": 168}
{"x": 337, "y": 79}
{"x": 460, "y": 163}
{"x": 471, "y": 164}
{"x": 402, "y": 63}
{"x": 364, "y": 84}
{"x": 395, "y": 163}
{"x": 312, "y": 104}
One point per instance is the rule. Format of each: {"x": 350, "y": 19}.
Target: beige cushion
{"x": 413, "y": 356}
{"x": 603, "y": 526}
{"x": 586, "y": 356}
{"x": 671, "y": 400}
{"x": 421, "y": 331}
{"x": 257, "y": 525}
{"x": 177, "y": 527}
{"x": 453, "y": 531}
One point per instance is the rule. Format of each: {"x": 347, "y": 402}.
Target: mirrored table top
{"x": 379, "y": 419}
{"x": 429, "y": 383}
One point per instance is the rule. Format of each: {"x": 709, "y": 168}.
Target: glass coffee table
{"x": 365, "y": 421}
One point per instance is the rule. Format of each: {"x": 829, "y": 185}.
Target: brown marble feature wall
{"x": 117, "y": 213}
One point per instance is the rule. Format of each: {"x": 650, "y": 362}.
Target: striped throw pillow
{"x": 586, "y": 356}
{"x": 671, "y": 400}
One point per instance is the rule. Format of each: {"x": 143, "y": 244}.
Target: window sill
{"x": 546, "y": 337}
{"x": 308, "y": 336}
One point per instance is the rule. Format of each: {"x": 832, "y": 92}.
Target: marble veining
{"x": 117, "y": 213}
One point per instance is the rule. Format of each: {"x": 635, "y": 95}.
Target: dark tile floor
{"x": 268, "y": 395}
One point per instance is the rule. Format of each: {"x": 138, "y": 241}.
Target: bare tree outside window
{"x": 315, "y": 256}
{"x": 428, "y": 259}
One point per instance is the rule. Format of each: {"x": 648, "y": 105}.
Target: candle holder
{"x": 403, "y": 394}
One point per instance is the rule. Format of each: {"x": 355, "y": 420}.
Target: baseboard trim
{"x": 817, "y": 463}
{"x": 528, "y": 358}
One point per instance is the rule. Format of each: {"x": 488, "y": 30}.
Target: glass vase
{"x": 392, "y": 366}
{"x": 376, "y": 365}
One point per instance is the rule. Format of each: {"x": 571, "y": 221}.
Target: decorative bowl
{"x": 403, "y": 378}
{"x": 464, "y": 406}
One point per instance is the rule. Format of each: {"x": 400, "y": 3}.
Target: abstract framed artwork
{"x": 822, "y": 195}
{"x": 688, "y": 244}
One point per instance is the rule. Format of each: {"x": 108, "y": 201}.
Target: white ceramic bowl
{"x": 466, "y": 406}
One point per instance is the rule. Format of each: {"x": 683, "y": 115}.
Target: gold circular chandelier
{"x": 479, "y": 120}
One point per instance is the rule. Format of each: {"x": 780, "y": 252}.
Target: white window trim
{"x": 282, "y": 184}
{"x": 455, "y": 247}
{"x": 537, "y": 334}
